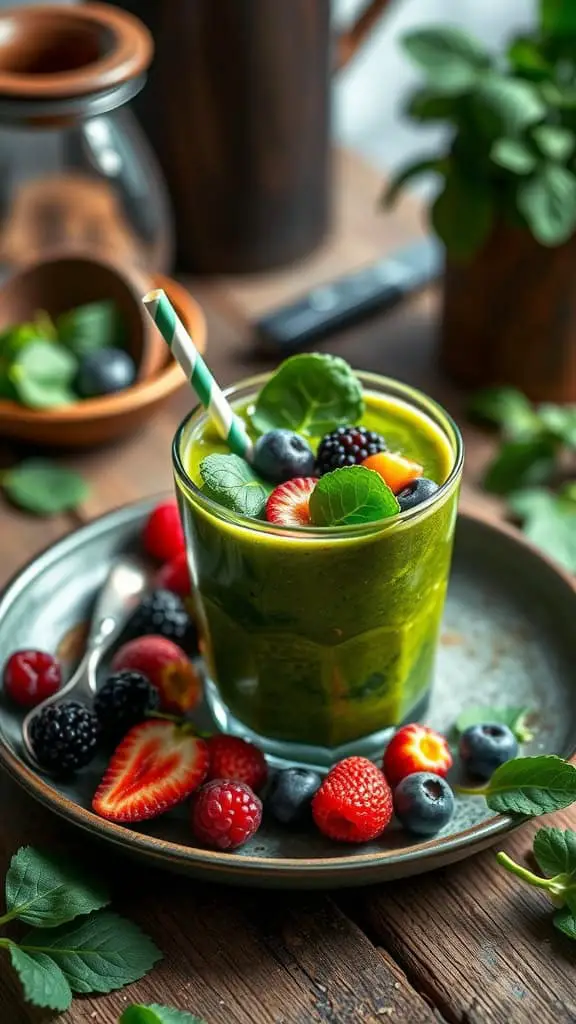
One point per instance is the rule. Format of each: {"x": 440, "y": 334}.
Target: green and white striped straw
{"x": 229, "y": 426}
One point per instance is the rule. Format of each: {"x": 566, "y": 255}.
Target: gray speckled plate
{"x": 508, "y": 638}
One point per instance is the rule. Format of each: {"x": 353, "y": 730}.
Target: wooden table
{"x": 465, "y": 944}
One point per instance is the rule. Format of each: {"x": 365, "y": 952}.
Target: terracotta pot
{"x": 509, "y": 317}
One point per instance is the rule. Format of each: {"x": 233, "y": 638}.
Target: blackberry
{"x": 122, "y": 702}
{"x": 347, "y": 446}
{"x": 162, "y": 613}
{"x": 65, "y": 736}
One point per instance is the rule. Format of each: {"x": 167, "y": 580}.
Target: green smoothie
{"x": 323, "y": 637}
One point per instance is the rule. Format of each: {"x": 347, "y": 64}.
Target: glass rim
{"x": 402, "y": 390}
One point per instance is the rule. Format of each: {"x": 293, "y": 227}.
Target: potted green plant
{"x": 506, "y": 208}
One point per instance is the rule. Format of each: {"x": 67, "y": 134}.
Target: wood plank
{"x": 476, "y": 941}
{"x": 231, "y": 956}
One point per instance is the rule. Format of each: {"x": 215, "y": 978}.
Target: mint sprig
{"x": 513, "y": 717}
{"x": 155, "y": 1014}
{"x": 555, "y": 853}
{"x": 310, "y": 394}
{"x": 529, "y": 786}
{"x": 77, "y": 946}
{"x": 350, "y": 496}
{"x": 231, "y": 482}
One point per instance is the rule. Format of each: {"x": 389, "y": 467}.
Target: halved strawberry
{"x": 416, "y": 748}
{"x": 156, "y": 766}
{"x": 288, "y": 503}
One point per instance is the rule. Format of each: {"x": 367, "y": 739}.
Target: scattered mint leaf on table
{"x": 521, "y": 462}
{"x": 155, "y": 1014}
{"x": 555, "y": 851}
{"x": 310, "y": 394}
{"x": 43, "y": 487}
{"x": 42, "y": 373}
{"x": 529, "y": 786}
{"x": 565, "y": 921}
{"x": 232, "y": 482}
{"x": 48, "y": 891}
{"x": 43, "y": 982}
{"x": 549, "y": 522}
{"x": 91, "y": 327}
{"x": 514, "y": 718}
{"x": 350, "y": 496}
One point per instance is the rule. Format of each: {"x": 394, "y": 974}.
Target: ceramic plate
{"x": 508, "y": 639}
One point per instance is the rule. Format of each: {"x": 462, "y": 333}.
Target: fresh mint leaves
{"x": 155, "y": 1014}
{"x": 529, "y": 786}
{"x": 521, "y": 463}
{"x": 555, "y": 854}
{"x": 91, "y": 327}
{"x": 549, "y": 521}
{"x": 76, "y": 946}
{"x": 43, "y": 487}
{"x": 350, "y": 496}
{"x": 513, "y": 717}
{"x": 42, "y": 374}
{"x": 229, "y": 480}
{"x": 310, "y": 394}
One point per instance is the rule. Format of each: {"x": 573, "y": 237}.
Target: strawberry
{"x": 163, "y": 536}
{"x": 234, "y": 758}
{"x": 416, "y": 748}
{"x": 156, "y": 766}
{"x": 288, "y": 503}
{"x": 166, "y": 666}
{"x": 175, "y": 576}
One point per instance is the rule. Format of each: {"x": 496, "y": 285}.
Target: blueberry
{"x": 416, "y": 492}
{"x": 423, "y": 803}
{"x": 483, "y": 748}
{"x": 281, "y": 455}
{"x": 290, "y": 794}
{"x": 104, "y": 372}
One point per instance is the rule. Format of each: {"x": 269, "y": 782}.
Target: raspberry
{"x": 175, "y": 576}
{"x": 354, "y": 803}
{"x": 163, "y": 537}
{"x": 347, "y": 446}
{"x": 65, "y": 736}
{"x": 236, "y": 759}
{"x": 225, "y": 815}
{"x": 122, "y": 702}
{"x": 162, "y": 613}
{"x": 31, "y": 676}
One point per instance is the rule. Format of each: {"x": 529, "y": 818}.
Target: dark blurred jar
{"x": 76, "y": 170}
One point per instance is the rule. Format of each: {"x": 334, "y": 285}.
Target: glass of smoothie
{"x": 320, "y": 640}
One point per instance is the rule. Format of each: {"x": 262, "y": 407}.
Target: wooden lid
{"x": 56, "y": 52}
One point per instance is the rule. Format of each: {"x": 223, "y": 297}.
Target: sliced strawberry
{"x": 156, "y": 766}
{"x": 416, "y": 748}
{"x": 288, "y": 504}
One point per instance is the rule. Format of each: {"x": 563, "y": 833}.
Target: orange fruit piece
{"x": 395, "y": 470}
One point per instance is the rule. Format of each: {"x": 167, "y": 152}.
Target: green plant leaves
{"x": 350, "y": 496}
{"x": 155, "y": 1014}
{"x": 547, "y": 200}
{"x": 532, "y": 786}
{"x": 92, "y": 327}
{"x": 233, "y": 483}
{"x": 462, "y": 215}
{"x": 554, "y": 141}
{"x": 49, "y": 891}
{"x": 549, "y": 522}
{"x": 513, "y": 155}
{"x": 398, "y": 181}
{"x": 44, "y": 488}
{"x": 42, "y": 374}
{"x": 310, "y": 394}
{"x": 43, "y": 982}
{"x": 506, "y": 105}
{"x": 514, "y": 718}
{"x": 428, "y": 105}
{"x": 506, "y": 408}
{"x": 558, "y": 17}
{"x": 521, "y": 462}
{"x": 555, "y": 851}
{"x": 449, "y": 57}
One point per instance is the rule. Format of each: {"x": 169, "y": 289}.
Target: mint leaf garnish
{"x": 91, "y": 327}
{"x": 155, "y": 1014}
{"x": 43, "y": 982}
{"x": 233, "y": 483}
{"x": 43, "y": 890}
{"x": 310, "y": 394}
{"x": 531, "y": 786}
{"x": 514, "y": 718}
{"x": 42, "y": 374}
{"x": 43, "y": 487}
{"x": 549, "y": 521}
{"x": 99, "y": 953}
{"x": 349, "y": 496}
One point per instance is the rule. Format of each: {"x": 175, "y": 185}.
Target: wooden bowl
{"x": 99, "y": 420}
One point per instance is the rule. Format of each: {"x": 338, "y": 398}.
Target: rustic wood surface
{"x": 465, "y": 945}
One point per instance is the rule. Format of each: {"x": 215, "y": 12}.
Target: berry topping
{"x": 290, "y": 793}
{"x": 104, "y": 372}
{"x": 163, "y": 537}
{"x": 416, "y": 492}
{"x": 395, "y": 470}
{"x": 123, "y": 701}
{"x": 31, "y": 676}
{"x": 162, "y": 613}
{"x": 236, "y": 759}
{"x": 225, "y": 814}
{"x": 282, "y": 455}
{"x": 347, "y": 446}
{"x": 415, "y": 748}
{"x": 65, "y": 736}
{"x": 483, "y": 748}
{"x": 157, "y": 765}
{"x": 175, "y": 576}
{"x": 288, "y": 504}
{"x": 423, "y": 803}
{"x": 167, "y": 667}
{"x": 354, "y": 803}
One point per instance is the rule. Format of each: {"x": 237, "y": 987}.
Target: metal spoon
{"x": 117, "y": 599}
